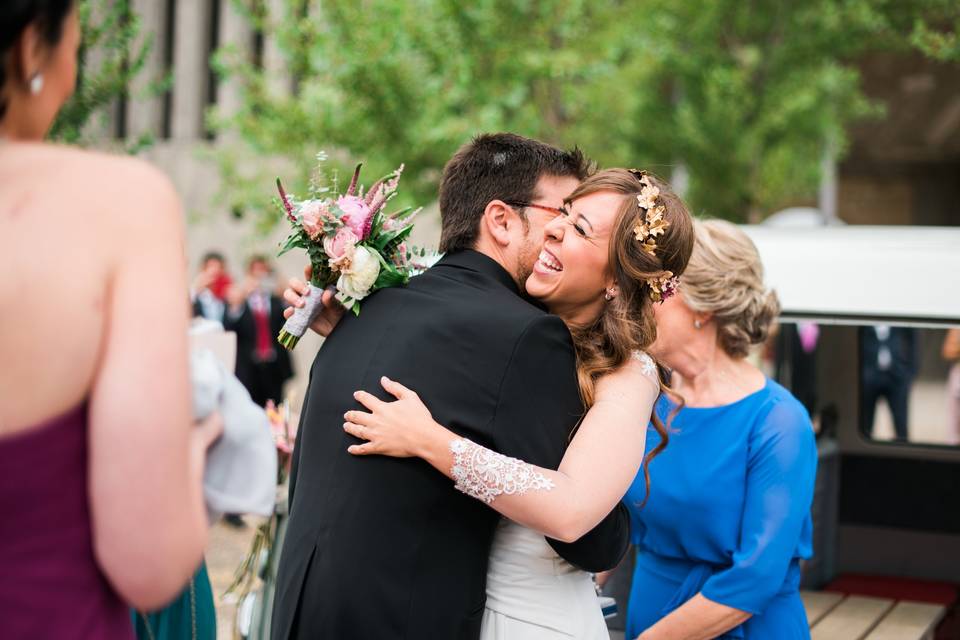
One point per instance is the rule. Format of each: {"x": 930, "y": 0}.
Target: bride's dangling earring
{"x": 36, "y": 83}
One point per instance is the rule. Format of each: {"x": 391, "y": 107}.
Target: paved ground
{"x": 927, "y": 421}
{"x": 227, "y": 548}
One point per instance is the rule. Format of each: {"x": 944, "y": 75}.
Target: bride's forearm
{"x": 435, "y": 449}
{"x": 563, "y": 504}
{"x": 542, "y": 499}
{"x": 545, "y": 500}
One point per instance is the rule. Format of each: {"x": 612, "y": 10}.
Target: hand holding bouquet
{"x": 353, "y": 244}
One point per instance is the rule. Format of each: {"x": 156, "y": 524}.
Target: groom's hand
{"x": 295, "y": 293}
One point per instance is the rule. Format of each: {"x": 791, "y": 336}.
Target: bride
{"x": 616, "y": 250}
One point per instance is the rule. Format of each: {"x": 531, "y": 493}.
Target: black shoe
{"x": 234, "y": 521}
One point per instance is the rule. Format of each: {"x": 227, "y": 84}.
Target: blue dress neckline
{"x": 735, "y": 403}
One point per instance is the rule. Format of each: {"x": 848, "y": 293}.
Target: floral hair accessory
{"x": 663, "y": 287}
{"x": 652, "y": 223}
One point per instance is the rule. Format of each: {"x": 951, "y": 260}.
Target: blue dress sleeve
{"x": 781, "y": 470}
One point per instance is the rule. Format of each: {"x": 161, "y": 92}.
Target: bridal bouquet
{"x": 352, "y": 242}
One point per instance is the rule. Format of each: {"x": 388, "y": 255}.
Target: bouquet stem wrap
{"x": 296, "y": 325}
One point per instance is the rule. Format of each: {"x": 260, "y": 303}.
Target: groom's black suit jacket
{"x": 382, "y": 547}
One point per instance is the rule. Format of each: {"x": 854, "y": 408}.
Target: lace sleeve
{"x": 647, "y": 366}
{"x": 485, "y": 474}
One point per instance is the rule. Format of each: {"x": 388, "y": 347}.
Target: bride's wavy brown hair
{"x": 627, "y": 322}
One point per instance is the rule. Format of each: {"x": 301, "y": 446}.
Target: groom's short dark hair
{"x": 496, "y": 166}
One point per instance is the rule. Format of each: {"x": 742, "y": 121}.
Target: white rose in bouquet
{"x": 356, "y": 282}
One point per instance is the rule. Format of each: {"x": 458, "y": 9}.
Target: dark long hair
{"x": 17, "y": 15}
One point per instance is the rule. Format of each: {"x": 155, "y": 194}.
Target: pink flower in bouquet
{"x": 312, "y": 216}
{"x": 341, "y": 247}
{"x": 357, "y": 215}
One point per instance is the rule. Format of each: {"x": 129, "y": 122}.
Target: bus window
{"x": 905, "y": 382}
{"x": 905, "y": 386}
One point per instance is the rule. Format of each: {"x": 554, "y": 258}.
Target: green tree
{"x": 750, "y": 93}
{"x": 745, "y": 94}
{"x": 109, "y": 28}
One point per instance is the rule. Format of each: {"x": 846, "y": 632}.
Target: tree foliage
{"x": 108, "y": 60}
{"x": 745, "y": 94}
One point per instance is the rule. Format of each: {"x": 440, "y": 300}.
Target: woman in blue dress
{"x": 727, "y": 523}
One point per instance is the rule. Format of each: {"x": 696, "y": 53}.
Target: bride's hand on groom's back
{"x": 401, "y": 429}
{"x": 294, "y": 295}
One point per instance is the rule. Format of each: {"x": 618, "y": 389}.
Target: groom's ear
{"x": 498, "y": 222}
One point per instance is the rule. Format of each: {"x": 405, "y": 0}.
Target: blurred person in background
{"x": 951, "y": 353}
{"x": 255, "y": 313}
{"x": 100, "y": 462}
{"x": 210, "y": 287}
{"x": 720, "y": 540}
{"x": 796, "y": 361}
{"x": 889, "y": 361}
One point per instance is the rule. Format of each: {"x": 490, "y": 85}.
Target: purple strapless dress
{"x": 50, "y": 584}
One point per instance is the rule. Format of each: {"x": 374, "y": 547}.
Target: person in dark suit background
{"x": 890, "y": 359}
{"x": 255, "y": 313}
{"x": 796, "y": 361}
{"x": 380, "y": 547}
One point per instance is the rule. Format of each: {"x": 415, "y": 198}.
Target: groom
{"x": 383, "y": 547}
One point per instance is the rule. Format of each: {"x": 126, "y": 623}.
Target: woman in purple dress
{"x": 100, "y": 470}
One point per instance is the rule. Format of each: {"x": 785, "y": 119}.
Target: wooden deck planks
{"x": 852, "y": 619}
{"x": 818, "y": 604}
{"x": 909, "y": 621}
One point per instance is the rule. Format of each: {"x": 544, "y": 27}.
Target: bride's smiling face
{"x": 572, "y": 274}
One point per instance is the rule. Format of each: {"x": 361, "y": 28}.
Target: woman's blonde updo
{"x": 626, "y": 323}
{"x": 724, "y": 278}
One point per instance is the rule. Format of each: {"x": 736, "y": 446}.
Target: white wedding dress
{"x": 534, "y": 594}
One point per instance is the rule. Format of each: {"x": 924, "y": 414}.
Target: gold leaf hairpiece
{"x": 651, "y": 223}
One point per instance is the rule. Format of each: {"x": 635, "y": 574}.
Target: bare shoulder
{"x": 643, "y": 363}
{"x": 130, "y": 193}
{"x": 99, "y": 191}
{"x": 638, "y": 376}
{"x": 640, "y": 365}
{"x": 97, "y": 175}
{"x": 124, "y": 176}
